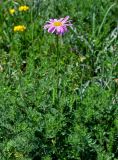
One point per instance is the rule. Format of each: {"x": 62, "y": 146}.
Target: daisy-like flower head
{"x": 23, "y": 8}
{"x": 58, "y": 26}
{"x": 19, "y": 28}
{"x": 12, "y": 11}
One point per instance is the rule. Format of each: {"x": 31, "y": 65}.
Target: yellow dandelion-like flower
{"x": 23, "y": 8}
{"x": 19, "y": 28}
{"x": 12, "y": 11}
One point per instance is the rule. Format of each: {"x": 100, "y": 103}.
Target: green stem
{"x": 58, "y": 59}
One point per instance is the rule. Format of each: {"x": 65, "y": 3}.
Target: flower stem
{"x": 58, "y": 59}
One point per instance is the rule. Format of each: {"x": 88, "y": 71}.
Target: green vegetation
{"x": 83, "y": 123}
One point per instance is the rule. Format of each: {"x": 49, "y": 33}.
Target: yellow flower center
{"x": 57, "y": 24}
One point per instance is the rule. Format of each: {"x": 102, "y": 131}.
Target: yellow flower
{"x": 19, "y": 28}
{"x": 12, "y": 11}
{"x": 23, "y": 8}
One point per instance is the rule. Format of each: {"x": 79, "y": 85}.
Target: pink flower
{"x": 58, "y": 26}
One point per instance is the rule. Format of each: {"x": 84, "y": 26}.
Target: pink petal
{"x": 65, "y": 28}
{"x": 51, "y": 20}
{"x": 46, "y": 26}
{"x": 65, "y": 19}
{"x": 68, "y": 24}
{"x": 60, "y": 20}
{"x": 51, "y": 29}
{"x": 60, "y": 30}
{"x": 55, "y": 20}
